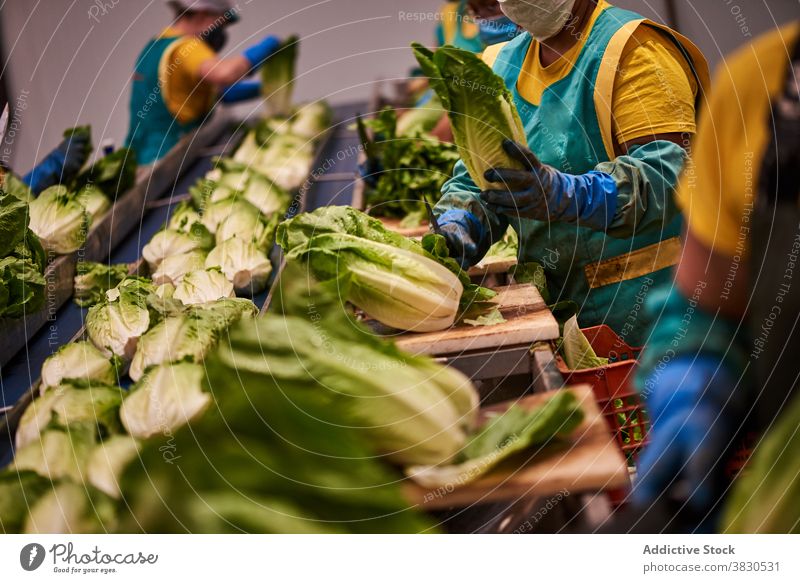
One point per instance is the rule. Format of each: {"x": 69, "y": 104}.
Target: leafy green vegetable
{"x": 397, "y": 287}
{"x": 59, "y": 452}
{"x": 186, "y": 336}
{"x": 183, "y": 217}
{"x": 71, "y": 508}
{"x": 22, "y": 287}
{"x": 575, "y": 348}
{"x": 414, "y": 167}
{"x": 277, "y": 78}
{"x": 203, "y": 285}
{"x": 108, "y": 460}
{"x": 59, "y": 220}
{"x": 167, "y": 397}
{"x": 93, "y": 280}
{"x": 13, "y": 222}
{"x": 12, "y": 185}
{"x": 115, "y": 324}
{"x": 489, "y": 319}
{"x": 512, "y": 431}
{"x": 94, "y": 201}
{"x": 311, "y": 119}
{"x": 173, "y": 268}
{"x": 171, "y": 242}
{"x": 243, "y": 263}
{"x": 411, "y": 408}
{"x": 18, "y": 492}
{"x": 68, "y": 404}
{"x": 78, "y": 361}
{"x": 505, "y": 248}
{"x": 421, "y": 119}
{"x": 113, "y": 174}
{"x": 533, "y": 273}
{"x": 280, "y": 469}
{"x": 481, "y": 108}
{"x": 764, "y": 496}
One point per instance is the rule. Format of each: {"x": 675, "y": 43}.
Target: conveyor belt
{"x": 23, "y": 369}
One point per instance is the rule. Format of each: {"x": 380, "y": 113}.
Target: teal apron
{"x": 607, "y": 277}
{"x": 153, "y": 131}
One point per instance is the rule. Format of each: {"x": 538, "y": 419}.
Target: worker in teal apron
{"x": 721, "y": 365}
{"x": 607, "y": 100}
{"x": 178, "y": 78}
{"x": 458, "y": 28}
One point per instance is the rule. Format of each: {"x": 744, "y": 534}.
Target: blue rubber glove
{"x": 370, "y": 171}
{"x": 261, "y": 51}
{"x": 543, "y": 193}
{"x": 695, "y": 413}
{"x": 466, "y": 238}
{"x": 59, "y": 166}
{"x": 241, "y": 91}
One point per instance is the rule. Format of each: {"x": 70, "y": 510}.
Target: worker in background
{"x": 607, "y": 99}
{"x": 722, "y": 361}
{"x": 457, "y": 27}
{"x": 178, "y": 77}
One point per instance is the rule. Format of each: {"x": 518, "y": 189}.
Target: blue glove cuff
{"x": 466, "y": 220}
{"x": 241, "y": 91}
{"x": 591, "y": 198}
{"x": 260, "y": 52}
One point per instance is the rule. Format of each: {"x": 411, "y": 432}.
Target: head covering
{"x": 215, "y": 6}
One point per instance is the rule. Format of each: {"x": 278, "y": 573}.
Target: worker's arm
{"x": 468, "y": 225}
{"x": 225, "y": 72}
{"x": 693, "y": 377}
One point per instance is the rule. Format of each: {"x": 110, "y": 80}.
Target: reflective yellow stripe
{"x": 604, "y": 85}
{"x": 634, "y": 264}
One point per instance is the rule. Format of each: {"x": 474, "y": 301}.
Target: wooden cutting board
{"x": 589, "y": 462}
{"x": 527, "y": 321}
{"x": 491, "y": 266}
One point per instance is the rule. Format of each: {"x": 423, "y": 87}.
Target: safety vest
{"x": 153, "y": 131}
{"x": 571, "y": 130}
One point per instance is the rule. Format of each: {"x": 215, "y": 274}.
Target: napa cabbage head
{"x": 115, "y": 324}
{"x": 93, "y": 280}
{"x": 174, "y": 268}
{"x": 188, "y": 336}
{"x": 243, "y": 263}
{"x": 167, "y": 397}
{"x": 481, "y": 108}
{"x": 70, "y": 403}
{"x": 80, "y": 361}
{"x": 173, "y": 242}
{"x": 203, "y": 285}
{"x": 59, "y": 220}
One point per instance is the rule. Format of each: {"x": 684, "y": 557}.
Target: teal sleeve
{"x": 461, "y": 192}
{"x": 646, "y": 178}
{"x": 683, "y": 328}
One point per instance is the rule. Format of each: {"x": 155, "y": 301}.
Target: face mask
{"x": 216, "y": 37}
{"x": 542, "y": 18}
{"x": 497, "y": 30}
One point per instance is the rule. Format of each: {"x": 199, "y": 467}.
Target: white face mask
{"x": 542, "y": 18}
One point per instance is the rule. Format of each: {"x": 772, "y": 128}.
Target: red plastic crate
{"x": 613, "y": 388}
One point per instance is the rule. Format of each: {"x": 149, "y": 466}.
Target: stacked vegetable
{"x": 414, "y": 165}
{"x": 403, "y": 283}
{"x": 22, "y": 259}
{"x": 62, "y": 215}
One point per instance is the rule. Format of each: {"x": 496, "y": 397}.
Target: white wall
{"x": 69, "y": 61}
